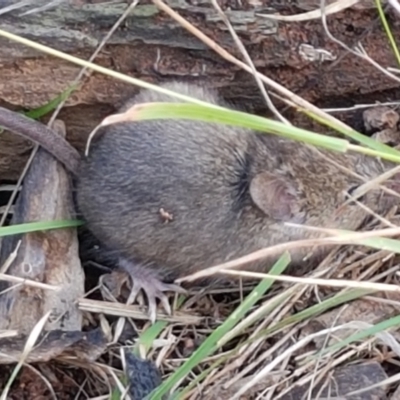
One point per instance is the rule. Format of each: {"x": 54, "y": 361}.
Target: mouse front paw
{"x": 145, "y": 279}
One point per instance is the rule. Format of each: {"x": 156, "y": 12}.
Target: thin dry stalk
{"x": 279, "y": 358}
{"x": 131, "y": 311}
{"x": 350, "y": 238}
{"x": 227, "y": 56}
{"x": 249, "y": 61}
{"x": 321, "y": 282}
{"x": 58, "y": 109}
{"x": 30, "y": 343}
{"x": 27, "y": 282}
{"x": 359, "y": 51}
{"x": 332, "y": 8}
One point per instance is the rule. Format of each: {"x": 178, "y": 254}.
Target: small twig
{"x": 395, "y": 4}
{"x": 358, "y": 52}
{"x": 43, "y": 8}
{"x": 249, "y": 61}
{"x": 30, "y": 343}
{"x": 83, "y": 71}
{"x": 18, "y": 184}
{"x": 15, "y": 6}
{"x": 10, "y": 259}
{"x": 361, "y": 106}
{"x": 227, "y": 56}
{"x": 131, "y": 311}
{"x": 58, "y": 109}
{"x": 281, "y": 357}
{"x": 26, "y": 282}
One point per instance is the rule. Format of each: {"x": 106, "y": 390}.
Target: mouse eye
{"x": 351, "y": 192}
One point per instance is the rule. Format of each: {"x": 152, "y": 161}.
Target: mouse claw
{"x": 145, "y": 279}
{"x": 154, "y": 289}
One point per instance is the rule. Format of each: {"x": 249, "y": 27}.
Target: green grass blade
{"x": 38, "y": 226}
{"x": 51, "y": 105}
{"x": 209, "y": 345}
{"x": 279, "y": 299}
{"x": 197, "y": 112}
{"x": 365, "y": 333}
{"x": 389, "y": 34}
{"x": 357, "y": 136}
{"x": 181, "y": 392}
{"x": 147, "y": 338}
{"x": 317, "y": 309}
{"x": 380, "y": 243}
{"x": 150, "y": 111}
{"x": 377, "y": 242}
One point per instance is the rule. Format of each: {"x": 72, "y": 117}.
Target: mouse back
{"x": 197, "y": 174}
{"x": 184, "y": 195}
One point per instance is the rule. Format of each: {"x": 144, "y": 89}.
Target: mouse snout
{"x": 387, "y": 195}
{"x": 376, "y": 199}
{"x": 394, "y": 185}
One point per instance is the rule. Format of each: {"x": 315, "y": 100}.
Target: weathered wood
{"x": 49, "y": 257}
{"x": 86, "y": 346}
{"x": 150, "y": 45}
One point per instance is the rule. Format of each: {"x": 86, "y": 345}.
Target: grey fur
{"x": 200, "y": 173}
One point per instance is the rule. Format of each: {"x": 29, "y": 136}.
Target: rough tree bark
{"x": 150, "y": 45}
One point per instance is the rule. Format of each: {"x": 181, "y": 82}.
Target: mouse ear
{"x": 273, "y": 195}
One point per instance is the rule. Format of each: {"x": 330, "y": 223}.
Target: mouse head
{"x": 318, "y": 193}
{"x": 276, "y": 196}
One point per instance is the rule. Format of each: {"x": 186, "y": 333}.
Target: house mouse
{"x": 171, "y": 197}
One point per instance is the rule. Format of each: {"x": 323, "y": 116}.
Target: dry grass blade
{"x": 103, "y": 70}
{"x": 83, "y": 71}
{"x": 27, "y": 282}
{"x": 59, "y": 107}
{"x": 356, "y": 50}
{"x": 348, "y": 238}
{"x": 131, "y": 311}
{"x": 16, "y": 6}
{"x": 206, "y": 377}
{"x": 280, "y": 358}
{"x": 372, "y": 183}
{"x": 289, "y": 97}
{"x": 33, "y": 337}
{"x": 389, "y": 381}
{"x": 210, "y": 345}
{"x": 227, "y": 56}
{"x": 249, "y": 61}
{"x": 7, "y": 263}
{"x": 378, "y": 330}
{"x": 332, "y": 8}
{"x": 312, "y": 281}
{"x": 8, "y": 333}
{"x": 395, "y": 4}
